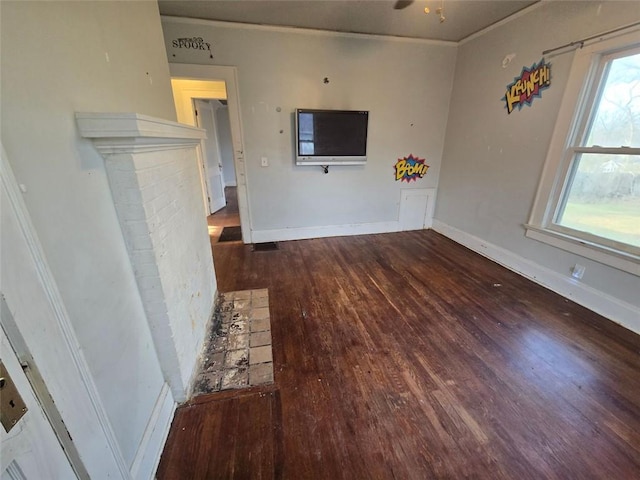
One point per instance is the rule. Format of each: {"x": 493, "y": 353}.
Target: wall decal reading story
{"x": 529, "y": 85}
{"x": 193, "y": 43}
{"x": 410, "y": 168}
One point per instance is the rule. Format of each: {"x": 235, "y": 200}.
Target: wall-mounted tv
{"x": 331, "y": 137}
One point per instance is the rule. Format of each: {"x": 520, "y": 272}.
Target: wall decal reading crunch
{"x": 410, "y": 168}
{"x": 527, "y": 86}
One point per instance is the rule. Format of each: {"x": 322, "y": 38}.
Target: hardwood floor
{"x": 408, "y": 356}
{"x": 228, "y": 216}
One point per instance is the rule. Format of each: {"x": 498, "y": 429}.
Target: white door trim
{"x": 31, "y": 448}
{"x": 39, "y": 389}
{"x": 72, "y": 388}
{"x": 230, "y": 76}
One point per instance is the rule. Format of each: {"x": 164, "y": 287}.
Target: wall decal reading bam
{"x": 528, "y": 85}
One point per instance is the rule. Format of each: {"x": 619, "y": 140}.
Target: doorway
{"x": 213, "y": 180}
{"x": 217, "y": 84}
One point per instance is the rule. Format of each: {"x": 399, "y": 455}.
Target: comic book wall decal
{"x": 410, "y": 168}
{"x": 529, "y": 85}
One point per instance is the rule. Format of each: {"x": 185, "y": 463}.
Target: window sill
{"x": 624, "y": 261}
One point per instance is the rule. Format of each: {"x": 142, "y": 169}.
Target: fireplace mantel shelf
{"x": 127, "y": 132}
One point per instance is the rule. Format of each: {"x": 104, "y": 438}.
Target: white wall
{"x": 58, "y": 58}
{"x": 226, "y": 145}
{"x": 493, "y": 161}
{"x": 405, "y": 86}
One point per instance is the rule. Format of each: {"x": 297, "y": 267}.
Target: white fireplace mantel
{"x": 114, "y": 133}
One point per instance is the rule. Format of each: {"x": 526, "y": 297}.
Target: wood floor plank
{"x": 408, "y": 356}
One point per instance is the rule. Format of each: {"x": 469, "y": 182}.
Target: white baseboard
{"x": 281, "y": 235}
{"x": 602, "y": 303}
{"x": 147, "y": 457}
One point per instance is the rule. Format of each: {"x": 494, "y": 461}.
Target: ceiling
{"x": 463, "y": 17}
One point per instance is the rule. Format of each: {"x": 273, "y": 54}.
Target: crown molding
{"x": 304, "y": 31}
{"x": 504, "y": 21}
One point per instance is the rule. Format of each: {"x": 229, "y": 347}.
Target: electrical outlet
{"x": 578, "y": 271}
{"x": 264, "y": 161}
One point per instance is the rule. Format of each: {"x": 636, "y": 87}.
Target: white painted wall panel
{"x": 416, "y": 208}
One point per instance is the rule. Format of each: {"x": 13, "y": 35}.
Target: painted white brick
{"x": 158, "y": 199}
{"x": 137, "y": 242}
{"x": 143, "y": 257}
{"x": 120, "y": 163}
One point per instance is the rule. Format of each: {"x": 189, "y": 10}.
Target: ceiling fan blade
{"x": 400, "y": 4}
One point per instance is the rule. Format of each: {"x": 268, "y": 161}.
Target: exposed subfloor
{"x": 238, "y": 350}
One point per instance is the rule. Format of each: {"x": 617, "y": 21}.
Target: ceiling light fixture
{"x": 439, "y": 11}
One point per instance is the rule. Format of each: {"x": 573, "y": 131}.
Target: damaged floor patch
{"x": 238, "y": 349}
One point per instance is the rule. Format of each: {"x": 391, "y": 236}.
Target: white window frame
{"x": 576, "y": 103}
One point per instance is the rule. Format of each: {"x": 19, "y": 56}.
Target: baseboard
{"x": 281, "y": 235}
{"x": 602, "y": 303}
{"x": 147, "y": 457}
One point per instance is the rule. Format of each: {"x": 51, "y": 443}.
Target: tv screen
{"x": 331, "y": 137}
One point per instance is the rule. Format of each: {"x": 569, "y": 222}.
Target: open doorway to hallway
{"x": 215, "y": 83}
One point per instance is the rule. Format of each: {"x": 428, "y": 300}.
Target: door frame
{"x": 229, "y": 75}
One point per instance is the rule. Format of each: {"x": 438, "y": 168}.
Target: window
{"x": 305, "y": 129}
{"x": 589, "y": 197}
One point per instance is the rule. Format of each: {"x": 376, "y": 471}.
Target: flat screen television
{"x": 331, "y": 137}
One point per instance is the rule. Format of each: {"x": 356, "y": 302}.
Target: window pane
{"x": 616, "y": 120}
{"x": 604, "y": 197}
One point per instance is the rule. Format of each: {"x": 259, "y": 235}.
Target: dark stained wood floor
{"x": 407, "y": 356}
{"x": 228, "y": 215}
